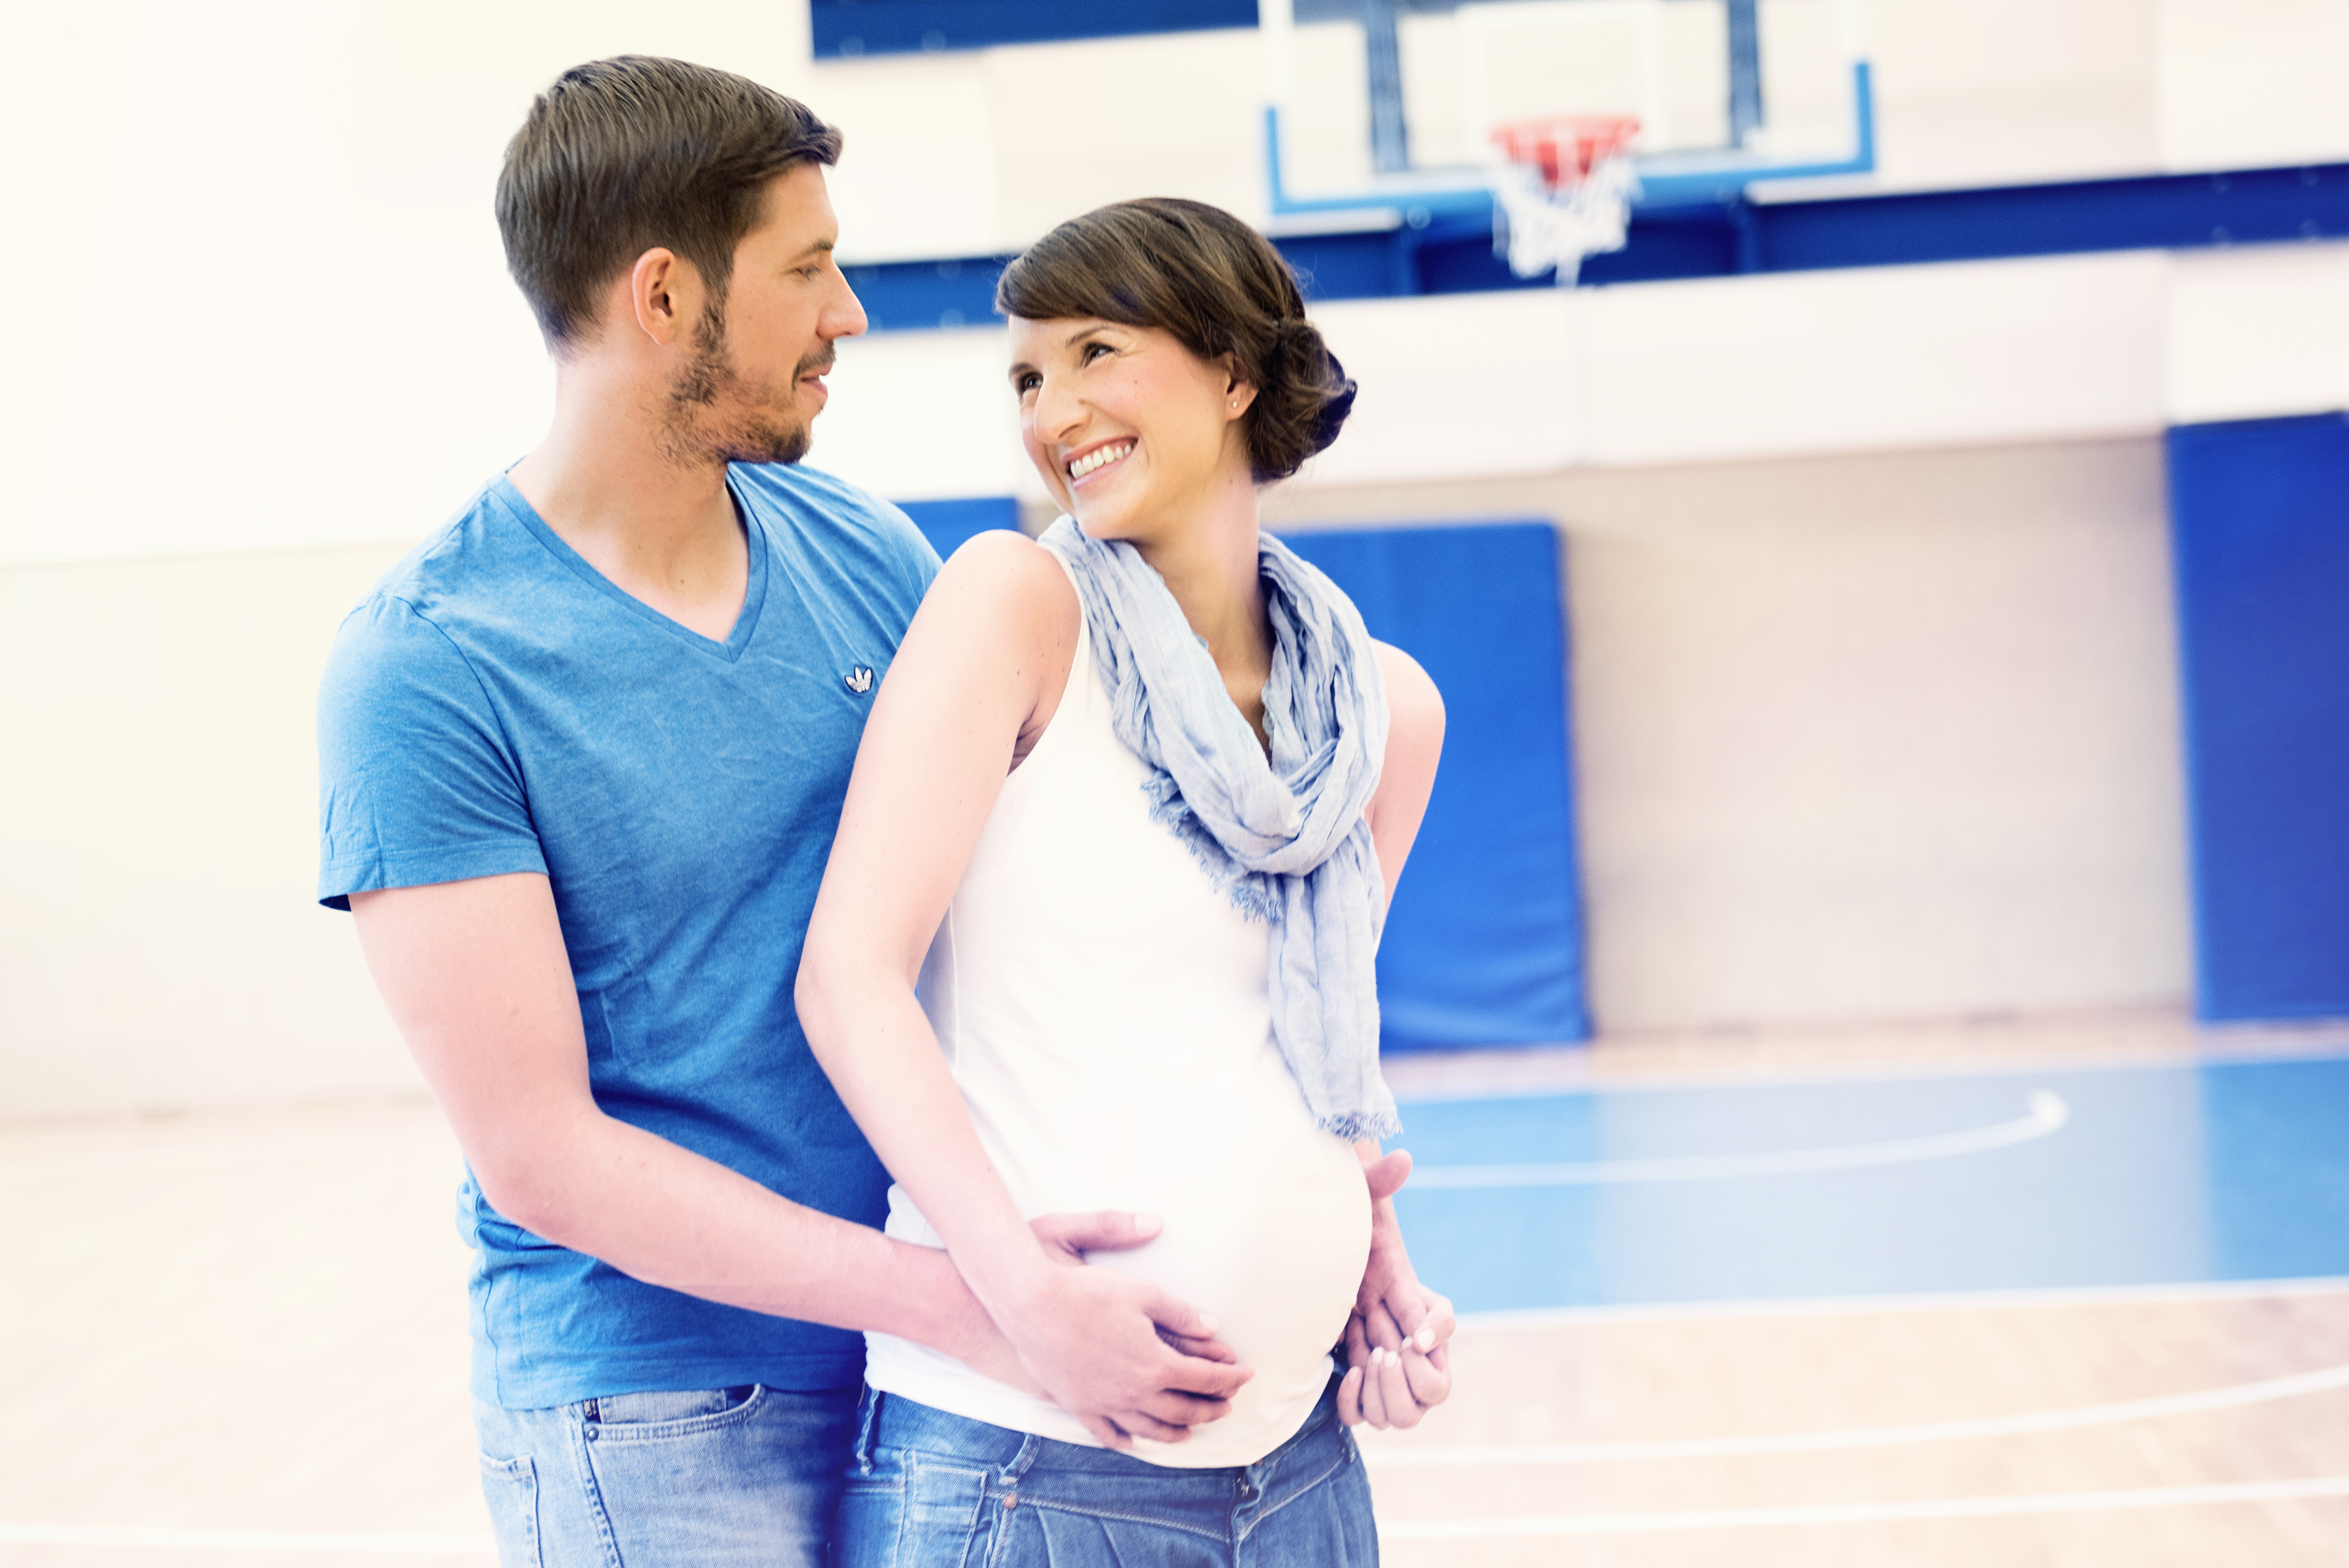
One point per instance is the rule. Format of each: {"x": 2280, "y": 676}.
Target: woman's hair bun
{"x": 1217, "y": 286}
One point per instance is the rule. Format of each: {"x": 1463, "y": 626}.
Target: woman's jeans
{"x": 929, "y": 1488}
{"x": 719, "y": 1478}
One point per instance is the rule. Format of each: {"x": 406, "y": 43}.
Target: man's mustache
{"x": 815, "y": 365}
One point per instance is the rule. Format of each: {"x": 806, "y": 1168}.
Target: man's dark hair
{"x": 621, "y": 155}
{"x": 1217, "y": 286}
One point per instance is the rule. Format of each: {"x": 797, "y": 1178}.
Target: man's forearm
{"x": 665, "y": 1215}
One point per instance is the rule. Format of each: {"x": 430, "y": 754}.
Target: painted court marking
{"x": 2045, "y": 1112}
{"x": 2315, "y": 1487}
{"x": 2324, "y": 1380}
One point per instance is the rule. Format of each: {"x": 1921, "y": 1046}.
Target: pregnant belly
{"x": 1266, "y": 1228}
{"x": 1274, "y": 1255}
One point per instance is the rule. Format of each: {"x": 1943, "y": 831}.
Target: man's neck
{"x": 661, "y": 528}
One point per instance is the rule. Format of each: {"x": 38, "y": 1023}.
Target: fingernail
{"x": 1426, "y": 1339}
{"x": 1206, "y": 1326}
{"x": 1148, "y": 1223}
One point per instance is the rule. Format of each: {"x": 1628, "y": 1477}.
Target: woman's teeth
{"x": 1100, "y": 458}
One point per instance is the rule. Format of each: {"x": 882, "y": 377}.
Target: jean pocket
{"x": 659, "y": 1416}
{"x": 511, "y": 1489}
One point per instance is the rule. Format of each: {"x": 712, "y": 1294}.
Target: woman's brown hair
{"x": 1219, "y": 288}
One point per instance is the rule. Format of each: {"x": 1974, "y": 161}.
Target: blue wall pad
{"x": 1485, "y": 943}
{"x": 946, "y": 523}
{"x": 846, "y": 29}
{"x": 2259, "y": 513}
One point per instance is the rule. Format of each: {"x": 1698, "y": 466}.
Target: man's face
{"x": 755, "y": 380}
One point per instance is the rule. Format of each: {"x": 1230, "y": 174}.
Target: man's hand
{"x": 1122, "y": 1356}
{"x": 1398, "y": 1338}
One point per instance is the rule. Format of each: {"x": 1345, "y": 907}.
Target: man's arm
{"x": 478, "y": 983}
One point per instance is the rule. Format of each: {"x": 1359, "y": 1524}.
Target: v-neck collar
{"x": 754, "y": 592}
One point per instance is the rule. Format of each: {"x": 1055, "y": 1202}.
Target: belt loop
{"x": 868, "y": 1422}
{"x": 1017, "y": 1465}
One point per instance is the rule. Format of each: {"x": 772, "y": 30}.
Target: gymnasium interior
{"x": 1870, "y": 1000}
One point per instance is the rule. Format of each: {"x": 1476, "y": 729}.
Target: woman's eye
{"x": 1086, "y": 355}
{"x": 1026, "y": 383}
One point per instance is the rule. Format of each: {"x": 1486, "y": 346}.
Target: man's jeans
{"x": 935, "y": 1490}
{"x": 722, "y": 1478}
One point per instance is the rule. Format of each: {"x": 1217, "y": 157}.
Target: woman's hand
{"x": 1398, "y": 1338}
{"x": 1119, "y": 1354}
{"x": 1066, "y": 1239}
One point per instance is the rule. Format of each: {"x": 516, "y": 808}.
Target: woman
{"x": 1147, "y": 783}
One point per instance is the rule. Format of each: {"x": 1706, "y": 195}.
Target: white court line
{"x": 246, "y": 1539}
{"x": 2337, "y": 1486}
{"x": 2234, "y": 1397}
{"x": 2046, "y": 1112}
{"x": 2012, "y": 1299}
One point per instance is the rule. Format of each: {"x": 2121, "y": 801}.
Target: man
{"x": 582, "y": 757}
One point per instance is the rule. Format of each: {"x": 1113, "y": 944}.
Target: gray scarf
{"x": 1286, "y": 839}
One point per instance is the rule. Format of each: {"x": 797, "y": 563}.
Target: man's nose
{"x": 843, "y": 316}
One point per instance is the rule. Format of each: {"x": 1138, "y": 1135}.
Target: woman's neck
{"x": 1209, "y": 564}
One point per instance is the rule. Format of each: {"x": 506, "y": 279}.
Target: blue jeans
{"x": 929, "y": 1490}
{"x": 719, "y": 1478}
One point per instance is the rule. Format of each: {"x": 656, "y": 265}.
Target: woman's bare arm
{"x": 1398, "y": 1359}
{"x": 981, "y": 668}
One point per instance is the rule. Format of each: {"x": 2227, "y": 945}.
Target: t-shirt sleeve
{"x": 920, "y": 561}
{"x": 416, "y": 782}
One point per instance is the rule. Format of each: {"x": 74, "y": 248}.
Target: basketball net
{"x": 1562, "y": 189}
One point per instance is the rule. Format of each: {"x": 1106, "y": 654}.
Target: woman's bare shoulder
{"x": 1002, "y": 581}
{"x": 1414, "y": 706}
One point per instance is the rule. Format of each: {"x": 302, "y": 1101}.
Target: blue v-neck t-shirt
{"x": 497, "y": 705}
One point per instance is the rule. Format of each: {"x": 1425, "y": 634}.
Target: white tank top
{"x": 1104, "y": 1010}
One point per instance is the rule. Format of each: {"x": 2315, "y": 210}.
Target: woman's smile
{"x": 1095, "y": 457}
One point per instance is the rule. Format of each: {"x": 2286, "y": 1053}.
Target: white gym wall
{"x": 1873, "y": 696}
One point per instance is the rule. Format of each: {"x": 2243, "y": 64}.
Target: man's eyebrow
{"x": 816, "y": 248}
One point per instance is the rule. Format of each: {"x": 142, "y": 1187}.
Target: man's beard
{"x": 691, "y": 435}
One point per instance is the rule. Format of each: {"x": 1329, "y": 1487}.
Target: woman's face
{"x": 1132, "y": 432}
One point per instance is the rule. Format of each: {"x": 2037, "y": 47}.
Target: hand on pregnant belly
{"x": 1120, "y": 1355}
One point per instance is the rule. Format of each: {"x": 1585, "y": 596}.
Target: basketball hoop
{"x": 1562, "y": 189}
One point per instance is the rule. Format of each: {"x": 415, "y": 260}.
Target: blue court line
{"x": 2162, "y": 1175}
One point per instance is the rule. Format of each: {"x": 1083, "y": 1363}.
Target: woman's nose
{"x": 1057, "y": 414}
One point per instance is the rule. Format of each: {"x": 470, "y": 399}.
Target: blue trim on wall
{"x": 847, "y": 29}
{"x": 2260, "y": 515}
{"x": 947, "y": 523}
{"x": 1428, "y": 252}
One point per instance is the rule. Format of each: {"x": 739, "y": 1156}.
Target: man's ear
{"x": 663, "y": 295}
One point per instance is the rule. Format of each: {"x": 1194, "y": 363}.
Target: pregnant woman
{"x": 1097, "y": 932}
